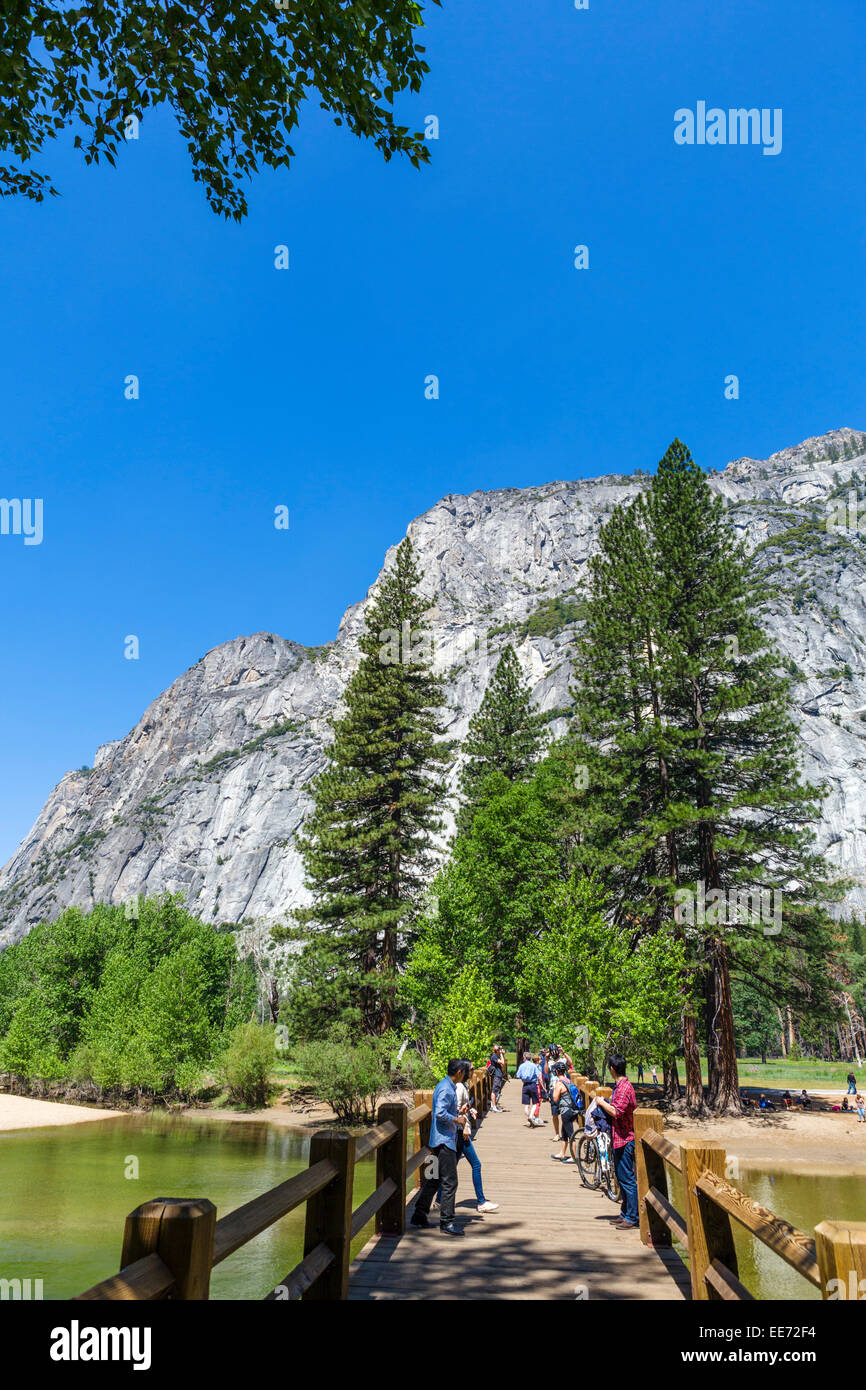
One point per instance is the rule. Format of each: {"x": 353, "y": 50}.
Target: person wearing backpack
{"x": 530, "y": 1096}
{"x": 566, "y": 1097}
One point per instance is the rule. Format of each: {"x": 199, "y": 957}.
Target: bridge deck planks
{"x": 551, "y": 1237}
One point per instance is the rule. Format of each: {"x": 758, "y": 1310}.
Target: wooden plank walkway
{"x": 551, "y": 1238}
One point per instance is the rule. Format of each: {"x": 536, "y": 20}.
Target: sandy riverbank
{"x": 783, "y": 1141}
{"x": 308, "y": 1115}
{"x": 20, "y": 1112}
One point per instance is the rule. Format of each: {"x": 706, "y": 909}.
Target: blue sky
{"x": 306, "y": 387}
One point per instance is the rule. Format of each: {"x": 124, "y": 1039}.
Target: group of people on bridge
{"x": 544, "y": 1077}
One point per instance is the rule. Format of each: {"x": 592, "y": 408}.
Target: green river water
{"x": 802, "y": 1199}
{"x": 64, "y": 1195}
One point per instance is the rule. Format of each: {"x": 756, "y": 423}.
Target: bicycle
{"x": 595, "y": 1165}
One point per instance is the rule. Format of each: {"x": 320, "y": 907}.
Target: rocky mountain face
{"x": 205, "y": 794}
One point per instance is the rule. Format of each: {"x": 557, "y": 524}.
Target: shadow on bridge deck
{"x": 551, "y": 1238}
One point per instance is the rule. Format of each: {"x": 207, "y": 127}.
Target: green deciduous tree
{"x": 467, "y": 1025}
{"x": 234, "y": 73}
{"x": 367, "y": 845}
{"x": 597, "y": 986}
{"x": 139, "y": 1003}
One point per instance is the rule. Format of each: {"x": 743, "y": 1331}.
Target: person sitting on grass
{"x": 804, "y": 1100}
{"x": 787, "y": 1100}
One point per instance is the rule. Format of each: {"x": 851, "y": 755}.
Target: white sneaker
{"x": 488, "y": 1206}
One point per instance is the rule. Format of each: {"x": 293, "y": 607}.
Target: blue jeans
{"x": 623, "y": 1163}
{"x": 852, "y": 1088}
{"x": 466, "y": 1149}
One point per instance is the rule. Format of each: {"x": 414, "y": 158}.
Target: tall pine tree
{"x": 505, "y": 735}
{"x": 377, "y": 806}
{"x": 694, "y": 783}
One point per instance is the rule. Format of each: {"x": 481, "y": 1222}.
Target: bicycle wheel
{"x": 588, "y": 1161}
{"x": 609, "y": 1179}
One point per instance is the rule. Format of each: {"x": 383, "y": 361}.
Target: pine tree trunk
{"x": 723, "y": 1090}
{"x": 853, "y": 1037}
{"x": 782, "y": 1033}
{"x": 694, "y": 1084}
{"x": 671, "y": 1080}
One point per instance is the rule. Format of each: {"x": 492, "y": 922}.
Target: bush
{"x": 414, "y": 1072}
{"x": 247, "y": 1063}
{"x": 350, "y": 1076}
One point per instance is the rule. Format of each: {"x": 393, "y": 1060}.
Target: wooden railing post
{"x": 329, "y": 1213}
{"x": 706, "y": 1237}
{"x": 391, "y": 1163}
{"x": 651, "y": 1172}
{"x": 179, "y": 1230}
{"x": 841, "y": 1250}
{"x": 422, "y": 1130}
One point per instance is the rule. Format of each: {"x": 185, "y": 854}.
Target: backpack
{"x": 572, "y": 1099}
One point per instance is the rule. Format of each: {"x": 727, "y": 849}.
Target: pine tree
{"x": 367, "y": 844}
{"x": 505, "y": 735}
{"x": 694, "y": 784}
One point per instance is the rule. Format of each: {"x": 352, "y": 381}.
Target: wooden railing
{"x": 705, "y": 1229}
{"x": 171, "y": 1244}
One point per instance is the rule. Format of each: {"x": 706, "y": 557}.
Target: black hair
{"x": 616, "y": 1062}
{"x": 456, "y": 1065}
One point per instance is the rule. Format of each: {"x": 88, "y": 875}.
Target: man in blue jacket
{"x": 443, "y": 1146}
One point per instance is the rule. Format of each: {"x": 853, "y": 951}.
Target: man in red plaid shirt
{"x": 620, "y": 1108}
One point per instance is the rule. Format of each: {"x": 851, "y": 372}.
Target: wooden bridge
{"x": 551, "y": 1237}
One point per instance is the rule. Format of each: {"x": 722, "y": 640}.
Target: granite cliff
{"x": 205, "y": 794}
